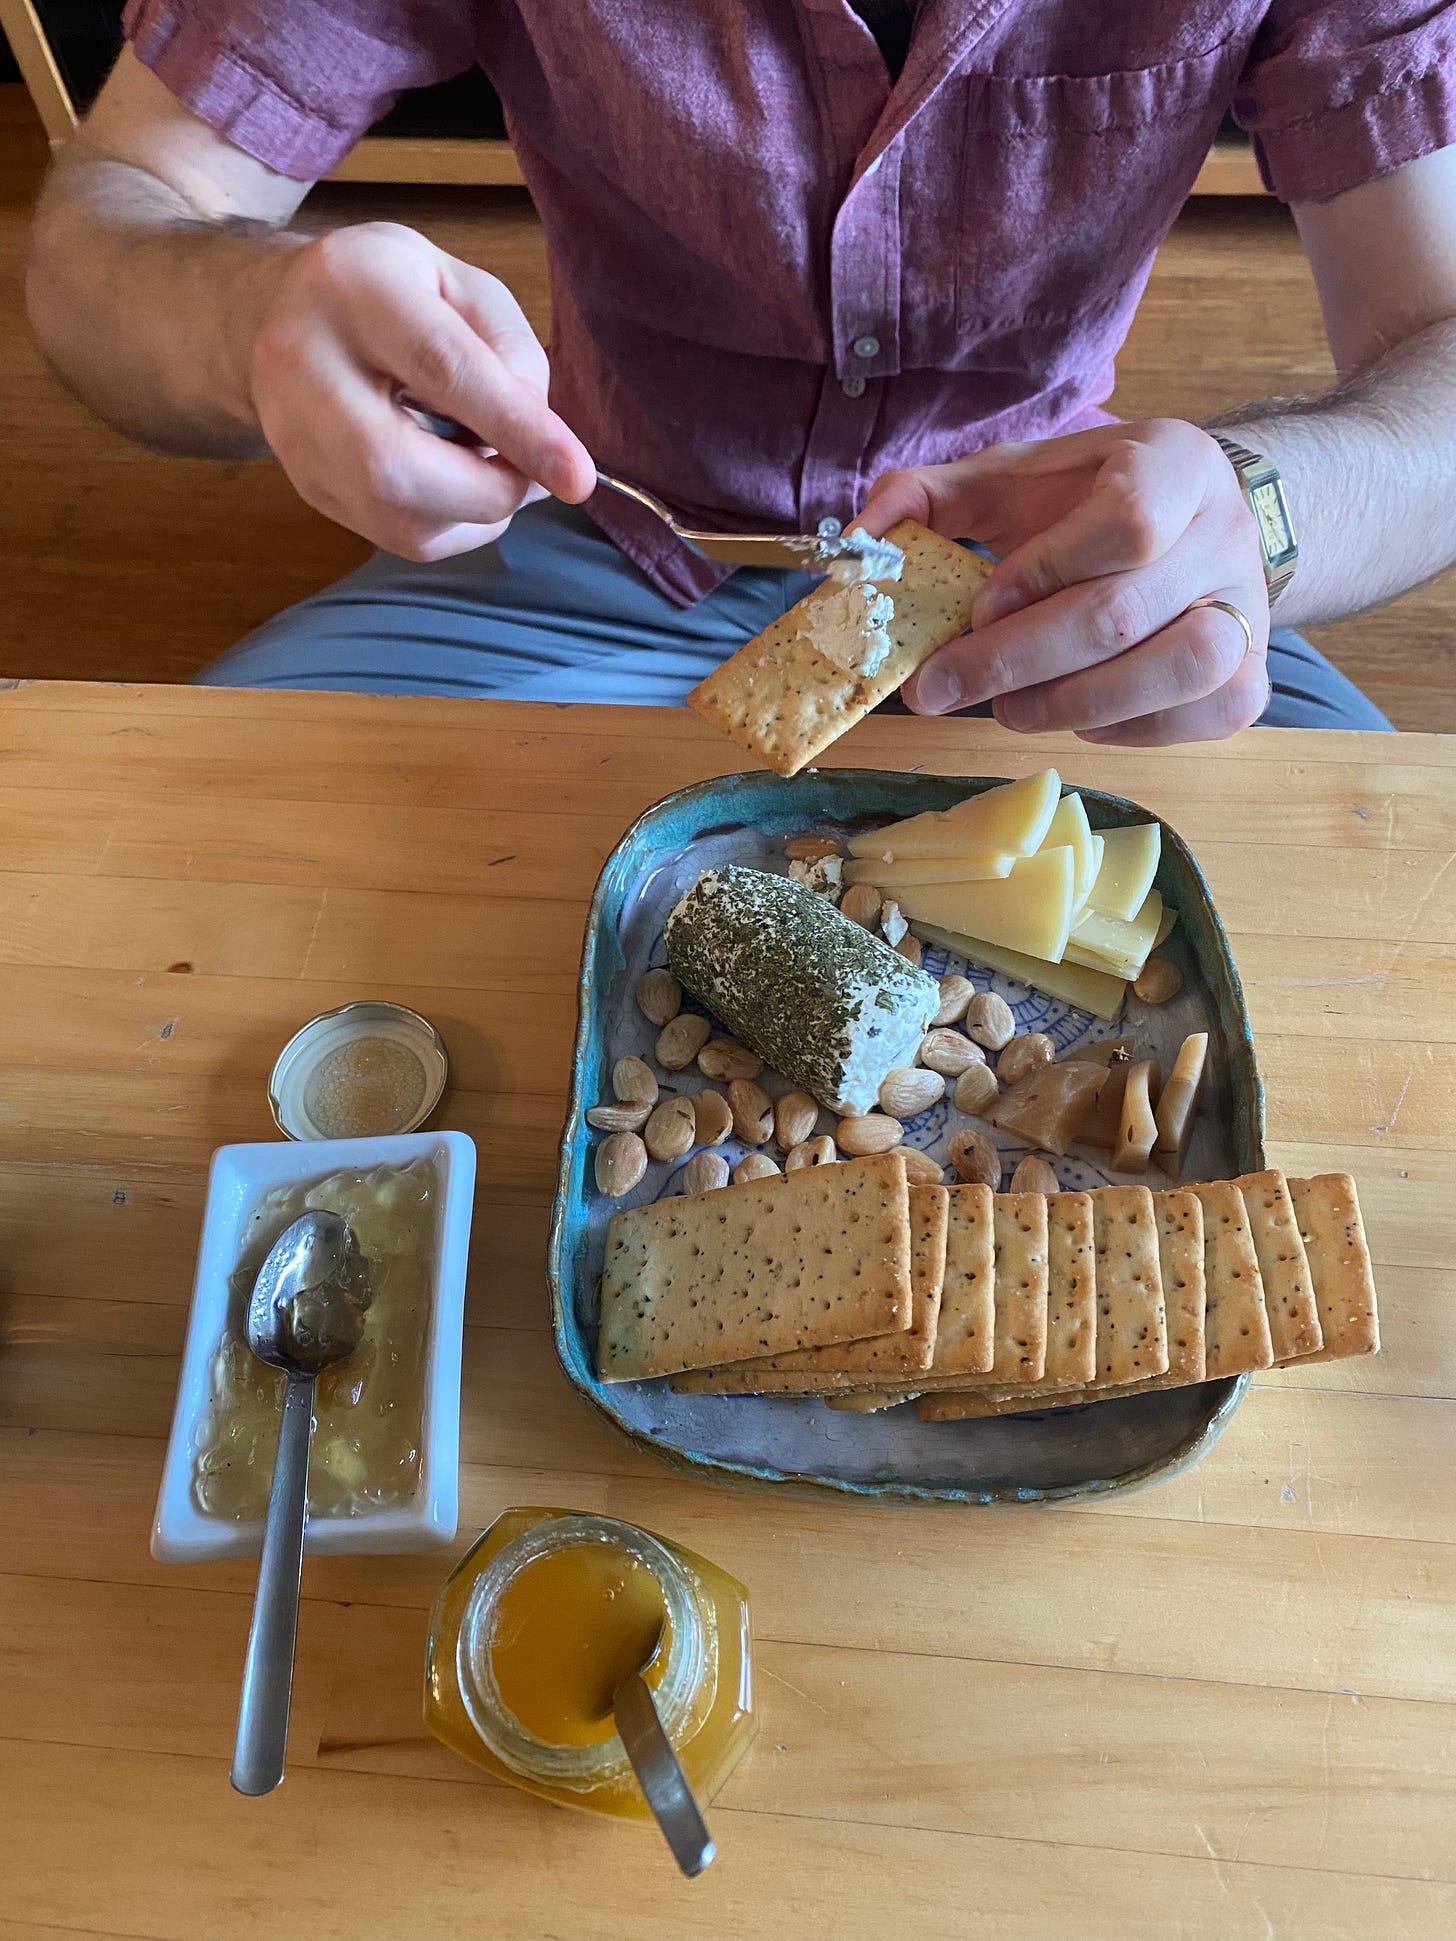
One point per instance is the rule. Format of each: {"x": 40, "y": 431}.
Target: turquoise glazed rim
{"x": 778, "y": 806}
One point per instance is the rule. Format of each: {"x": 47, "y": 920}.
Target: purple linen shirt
{"x": 775, "y": 272}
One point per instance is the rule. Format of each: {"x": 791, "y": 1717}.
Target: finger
{"x": 1195, "y": 655}
{"x": 388, "y": 479}
{"x": 895, "y": 496}
{"x": 1143, "y": 497}
{"x": 1071, "y": 630}
{"x": 969, "y": 499}
{"x": 447, "y": 543}
{"x": 493, "y": 313}
{"x": 966, "y": 500}
{"x": 446, "y": 364}
{"x": 420, "y": 540}
{"x": 490, "y": 308}
{"x": 1236, "y": 706}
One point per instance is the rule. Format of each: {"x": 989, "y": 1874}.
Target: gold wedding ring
{"x": 1227, "y": 606}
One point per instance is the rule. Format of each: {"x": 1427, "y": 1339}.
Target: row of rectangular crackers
{"x": 1280, "y": 1275}
{"x": 1032, "y": 1285}
{"x": 847, "y": 1282}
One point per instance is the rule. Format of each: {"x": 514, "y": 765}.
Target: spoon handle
{"x": 664, "y": 1783}
{"x": 262, "y": 1741}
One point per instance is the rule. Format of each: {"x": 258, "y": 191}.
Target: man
{"x": 808, "y": 258}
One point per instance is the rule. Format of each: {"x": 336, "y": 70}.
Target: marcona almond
{"x": 809, "y": 848}
{"x": 620, "y": 1163}
{"x": 670, "y": 1132}
{"x": 949, "y": 1052}
{"x": 680, "y": 1041}
{"x": 618, "y": 1118}
{"x": 795, "y": 1117}
{"x": 910, "y": 949}
{"x": 956, "y": 993}
{"x": 813, "y": 1152}
{"x": 910, "y": 1089}
{"x": 1023, "y": 1055}
{"x": 975, "y": 1159}
{"x": 990, "y": 1020}
{"x": 705, "y": 1172}
{"x": 714, "y": 1119}
{"x": 723, "y": 1058}
{"x": 1034, "y": 1175}
{"x": 861, "y": 904}
{"x": 752, "y": 1110}
{"x": 1157, "y": 981}
{"x": 975, "y": 1090}
{"x": 754, "y": 1165}
{"x": 874, "y": 1132}
{"x": 920, "y": 1168}
{"x": 659, "y": 997}
{"x": 633, "y": 1082}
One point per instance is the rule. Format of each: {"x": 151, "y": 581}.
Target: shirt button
{"x": 866, "y": 347}
{"x": 852, "y": 387}
{"x": 830, "y": 528}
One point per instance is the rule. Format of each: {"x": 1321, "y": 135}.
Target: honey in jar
{"x": 539, "y": 1624}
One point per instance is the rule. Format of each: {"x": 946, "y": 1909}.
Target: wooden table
{"x": 1225, "y": 1707}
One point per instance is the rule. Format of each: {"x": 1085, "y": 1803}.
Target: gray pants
{"x": 554, "y": 612}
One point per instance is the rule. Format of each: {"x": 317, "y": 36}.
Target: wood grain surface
{"x": 1220, "y": 1708}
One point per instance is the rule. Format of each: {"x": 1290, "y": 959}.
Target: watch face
{"x": 1274, "y": 526}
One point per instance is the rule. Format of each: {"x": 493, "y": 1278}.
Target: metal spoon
{"x": 660, "y": 1775}
{"x": 807, "y": 552}
{"x": 305, "y": 1313}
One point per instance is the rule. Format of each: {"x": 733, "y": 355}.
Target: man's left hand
{"x": 1104, "y": 539}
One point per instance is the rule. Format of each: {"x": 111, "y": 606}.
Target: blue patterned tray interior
{"x": 892, "y": 1456}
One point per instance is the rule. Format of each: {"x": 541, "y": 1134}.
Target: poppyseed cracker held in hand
{"x": 796, "y": 687}
{"x": 814, "y": 994}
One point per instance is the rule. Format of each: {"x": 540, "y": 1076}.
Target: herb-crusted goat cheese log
{"x": 815, "y": 995}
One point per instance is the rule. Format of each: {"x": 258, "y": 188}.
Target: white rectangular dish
{"x": 237, "y": 1180}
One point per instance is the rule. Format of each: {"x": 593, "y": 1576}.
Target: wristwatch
{"x": 1263, "y": 491}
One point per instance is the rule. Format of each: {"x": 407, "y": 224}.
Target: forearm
{"x": 145, "y": 310}
{"x": 1370, "y": 473}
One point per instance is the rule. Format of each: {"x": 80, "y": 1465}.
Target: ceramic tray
{"x": 890, "y": 1457}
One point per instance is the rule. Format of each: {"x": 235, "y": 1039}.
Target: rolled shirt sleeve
{"x": 293, "y": 82}
{"x": 1337, "y": 92}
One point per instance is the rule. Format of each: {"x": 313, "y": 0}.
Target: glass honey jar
{"x": 540, "y": 1622}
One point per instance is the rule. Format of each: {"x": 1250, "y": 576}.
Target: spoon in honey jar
{"x": 659, "y": 1771}
{"x": 305, "y": 1313}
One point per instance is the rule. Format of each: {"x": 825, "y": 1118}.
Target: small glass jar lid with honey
{"x": 542, "y": 1620}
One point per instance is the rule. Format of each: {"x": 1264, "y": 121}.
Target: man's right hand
{"x": 168, "y": 291}
{"x": 356, "y": 315}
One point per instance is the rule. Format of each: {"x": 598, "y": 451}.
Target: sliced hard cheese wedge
{"x": 1129, "y": 864}
{"x": 1089, "y": 990}
{"x": 1011, "y": 819}
{"x": 1069, "y": 826}
{"x": 1031, "y": 910}
{"x": 1165, "y": 928}
{"x": 1103, "y": 943}
{"x": 927, "y": 869}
